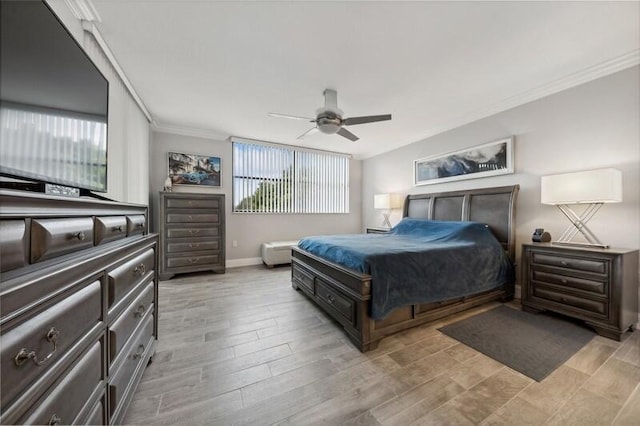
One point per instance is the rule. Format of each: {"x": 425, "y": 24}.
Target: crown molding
{"x": 188, "y": 131}
{"x": 586, "y": 75}
{"x": 83, "y": 10}
{"x": 91, "y": 28}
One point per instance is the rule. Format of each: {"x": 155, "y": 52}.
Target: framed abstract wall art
{"x": 192, "y": 169}
{"x": 490, "y": 159}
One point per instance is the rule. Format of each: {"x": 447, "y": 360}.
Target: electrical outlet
{"x": 234, "y": 243}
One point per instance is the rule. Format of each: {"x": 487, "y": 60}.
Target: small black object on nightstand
{"x": 539, "y": 236}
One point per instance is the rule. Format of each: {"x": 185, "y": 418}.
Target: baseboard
{"x": 518, "y": 292}
{"x": 248, "y": 261}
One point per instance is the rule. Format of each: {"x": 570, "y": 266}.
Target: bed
{"x": 347, "y": 293}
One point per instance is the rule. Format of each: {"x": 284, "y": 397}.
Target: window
{"x": 269, "y": 178}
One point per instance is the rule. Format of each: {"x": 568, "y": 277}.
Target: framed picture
{"x": 190, "y": 169}
{"x": 490, "y": 159}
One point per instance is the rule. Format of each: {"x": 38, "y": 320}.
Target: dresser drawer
{"x": 580, "y": 264}
{"x": 110, "y": 229}
{"x": 122, "y": 328}
{"x": 336, "y": 301}
{"x": 193, "y": 260}
{"x": 136, "y": 225}
{"x": 303, "y": 278}
{"x": 45, "y": 337}
{"x": 212, "y": 231}
{"x": 14, "y": 244}
{"x": 593, "y": 286}
{"x": 65, "y": 402}
{"x": 136, "y": 352}
{"x": 593, "y": 306}
{"x": 213, "y": 218}
{"x": 97, "y": 414}
{"x": 201, "y": 203}
{"x": 193, "y": 245}
{"x": 55, "y": 237}
{"x": 123, "y": 278}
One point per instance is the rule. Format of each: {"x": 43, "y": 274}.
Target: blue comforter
{"x": 420, "y": 261}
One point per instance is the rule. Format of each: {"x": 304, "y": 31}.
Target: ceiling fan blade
{"x": 347, "y": 134}
{"x": 292, "y": 117}
{"x": 331, "y": 100}
{"x": 308, "y": 132}
{"x": 366, "y": 119}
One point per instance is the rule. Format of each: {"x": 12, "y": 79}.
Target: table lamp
{"x": 591, "y": 189}
{"x": 387, "y": 202}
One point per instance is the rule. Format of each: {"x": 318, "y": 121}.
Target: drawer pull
{"x": 139, "y": 353}
{"x": 140, "y": 225}
{"x": 194, "y": 260}
{"x": 24, "y": 354}
{"x": 140, "y": 269}
{"x": 118, "y": 229}
{"x": 194, "y": 231}
{"x": 140, "y": 311}
{"x": 564, "y": 262}
{"x": 564, "y": 281}
{"x": 81, "y": 236}
{"x": 55, "y": 420}
{"x": 330, "y": 299}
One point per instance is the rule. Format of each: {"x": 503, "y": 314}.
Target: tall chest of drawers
{"x": 192, "y": 233}
{"x": 78, "y": 311}
{"x": 599, "y": 286}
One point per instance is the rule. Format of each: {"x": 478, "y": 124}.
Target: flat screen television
{"x": 53, "y": 102}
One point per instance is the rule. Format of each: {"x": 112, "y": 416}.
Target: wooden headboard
{"x": 493, "y": 206}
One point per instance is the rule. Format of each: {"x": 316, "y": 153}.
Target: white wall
{"x": 249, "y": 230}
{"x": 128, "y": 129}
{"x": 591, "y": 126}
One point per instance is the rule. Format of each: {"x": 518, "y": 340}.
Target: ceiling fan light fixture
{"x": 329, "y": 125}
{"x": 329, "y": 129}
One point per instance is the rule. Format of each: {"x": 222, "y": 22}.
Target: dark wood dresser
{"x": 78, "y": 307}
{"x": 599, "y": 286}
{"x": 191, "y": 233}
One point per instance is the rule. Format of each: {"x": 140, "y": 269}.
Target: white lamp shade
{"x": 591, "y": 186}
{"x": 387, "y": 201}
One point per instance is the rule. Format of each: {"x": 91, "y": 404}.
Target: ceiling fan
{"x": 329, "y": 119}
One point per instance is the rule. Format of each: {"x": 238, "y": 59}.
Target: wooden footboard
{"x": 344, "y": 295}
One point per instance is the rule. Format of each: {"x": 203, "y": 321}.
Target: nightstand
{"x": 378, "y": 230}
{"x": 599, "y": 286}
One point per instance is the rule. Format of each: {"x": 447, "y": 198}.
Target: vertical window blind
{"x": 280, "y": 179}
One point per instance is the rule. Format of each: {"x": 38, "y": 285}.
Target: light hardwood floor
{"x": 245, "y": 348}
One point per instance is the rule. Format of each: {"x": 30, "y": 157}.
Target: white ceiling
{"x": 217, "y": 68}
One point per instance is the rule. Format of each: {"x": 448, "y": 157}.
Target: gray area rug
{"x": 533, "y": 344}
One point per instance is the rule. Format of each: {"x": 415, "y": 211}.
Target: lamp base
{"x": 576, "y": 244}
{"x": 579, "y": 225}
{"x": 385, "y": 221}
